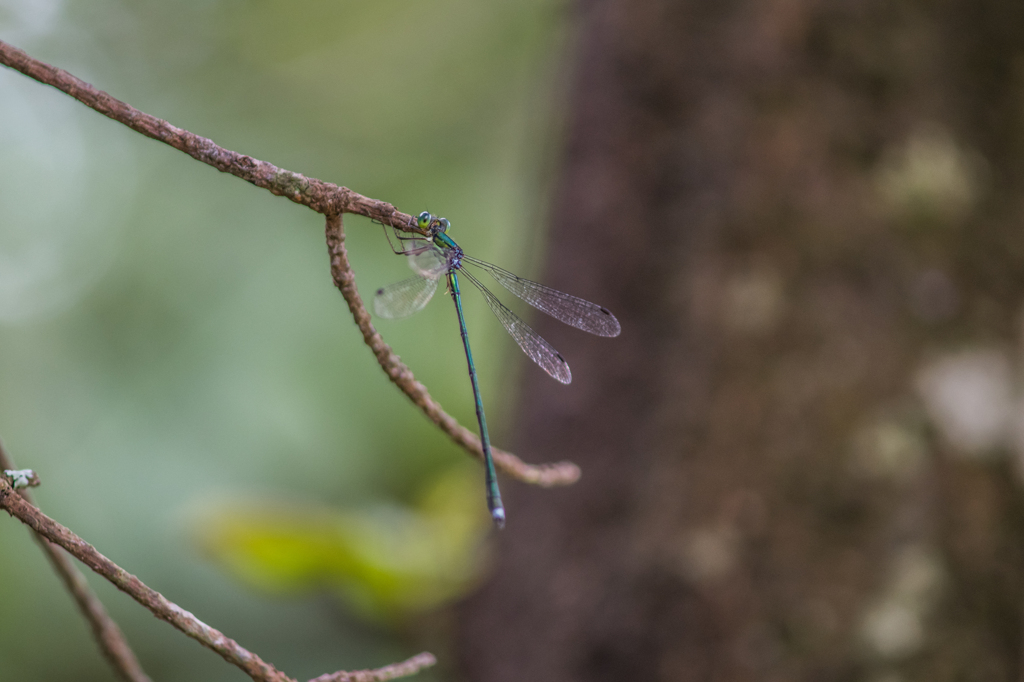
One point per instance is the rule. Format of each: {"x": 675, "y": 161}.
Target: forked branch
{"x": 323, "y": 197}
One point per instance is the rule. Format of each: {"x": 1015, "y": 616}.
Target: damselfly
{"x": 436, "y": 255}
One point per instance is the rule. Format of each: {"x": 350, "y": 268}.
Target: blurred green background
{"x": 170, "y": 339}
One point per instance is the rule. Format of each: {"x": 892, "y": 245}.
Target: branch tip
{"x": 22, "y": 478}
{"x": 389, "y": 672}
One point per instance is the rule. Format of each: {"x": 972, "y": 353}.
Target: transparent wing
{"x": 428, "y": 261}
{"x": 539, "y": 350}
{"x": 404, "y": 298}
{"x": 571, "y": 310}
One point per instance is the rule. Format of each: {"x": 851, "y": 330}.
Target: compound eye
{"x": 444, "y": 224}
{"x": 424, "y": 219}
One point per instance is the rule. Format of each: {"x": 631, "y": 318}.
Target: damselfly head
{"x": 423, "y": 220}
{"x": 443, "y": 224}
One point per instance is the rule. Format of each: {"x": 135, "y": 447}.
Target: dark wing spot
{"x": 605, "y": 311}
{"x": 380, "y": 291}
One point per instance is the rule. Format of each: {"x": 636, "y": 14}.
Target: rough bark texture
{"x": 764, "y": 496}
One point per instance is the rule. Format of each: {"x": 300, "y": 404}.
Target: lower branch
{"x": 256, "y": 668}
{"x": 108, "y": 636}
{"x": 545, "y": 475}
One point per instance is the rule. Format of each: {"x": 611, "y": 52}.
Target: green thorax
{"x": 443, "y": 241}
{"x": 439, "y": 236}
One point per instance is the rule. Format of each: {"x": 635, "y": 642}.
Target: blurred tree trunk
{"x": 792, "y": 207}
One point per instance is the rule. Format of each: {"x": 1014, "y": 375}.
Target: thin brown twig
{"x": 30, "y": 515}
{"x": 546, "y": 475}
{"x": 323, "y": 197}
{"x": 109, "y": 637}
{"x": 17, "y": 506}
{"x": 388, "y": 672}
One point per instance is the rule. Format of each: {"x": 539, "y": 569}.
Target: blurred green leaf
{"x": 384, "y": 561}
